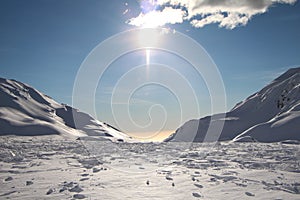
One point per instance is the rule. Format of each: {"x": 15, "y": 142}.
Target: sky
{"x": 45, "y": 42}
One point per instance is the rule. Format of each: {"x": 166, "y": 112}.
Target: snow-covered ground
{"x": 54, "y": 167}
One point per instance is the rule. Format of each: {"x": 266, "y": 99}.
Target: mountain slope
{"x": 270, "y": 115}
{"x": 26, "y": 111}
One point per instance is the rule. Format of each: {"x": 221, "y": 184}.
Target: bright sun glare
{"x": 147, "y": 57}
{"x": 152, "y": 21}
{"x": 148, "y": 38}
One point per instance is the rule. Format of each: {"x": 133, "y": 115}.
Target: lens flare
{"x": 147, "y": 57}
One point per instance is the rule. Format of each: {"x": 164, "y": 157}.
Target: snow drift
{"x": 270, "y": 115}
{"x": 26, "y": 111}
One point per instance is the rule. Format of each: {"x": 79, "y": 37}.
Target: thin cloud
{"x": 227, "y": 13}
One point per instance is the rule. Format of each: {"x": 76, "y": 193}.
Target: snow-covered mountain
{"x": 26, "y": 111}
{"x": 270, "y": 115}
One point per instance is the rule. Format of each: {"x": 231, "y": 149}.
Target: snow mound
{"x": 270, "y": 115}
{"x": 26, "y": 111}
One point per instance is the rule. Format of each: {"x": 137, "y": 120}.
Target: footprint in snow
{"x": 29, "y": 183}
{"x": 68, "y": 184}
{"x": 79, "y": 196}
{"x": 198, "y": 185}
{"x": 8, "y": 179}
{"x": 50, "y": 191}
{"x": 64, "y": 188}
{"x": 95, "y": 170}
{"x": 76, "y": 189}
{"x": 85, "y": 174}
{"x": 197, "y": 195}
{"x": 249, "y": 194}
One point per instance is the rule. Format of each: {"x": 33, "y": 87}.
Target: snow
{"x": 40, "y": 158}
{"x": 64, "y": 169}
{"x": 270, "y": 115}
{"x": 26, "y": 111}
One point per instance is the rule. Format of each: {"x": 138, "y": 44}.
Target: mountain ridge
{"x": 26, "y": 111}
{"x": 275, "y": 108}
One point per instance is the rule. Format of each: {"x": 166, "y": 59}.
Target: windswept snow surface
{"x": 270, "y": 115}
{"x": 47, "y": 167}
{"x": 26, "y": 111}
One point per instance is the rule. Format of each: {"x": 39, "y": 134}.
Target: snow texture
{"x": 64, "y": 169}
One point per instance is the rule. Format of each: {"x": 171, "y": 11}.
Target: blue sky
{"x": 44, "y": 42}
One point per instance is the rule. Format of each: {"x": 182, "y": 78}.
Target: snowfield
{"x": 53, "y": 167}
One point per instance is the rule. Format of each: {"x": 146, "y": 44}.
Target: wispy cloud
{"x": 226, "y": 13}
